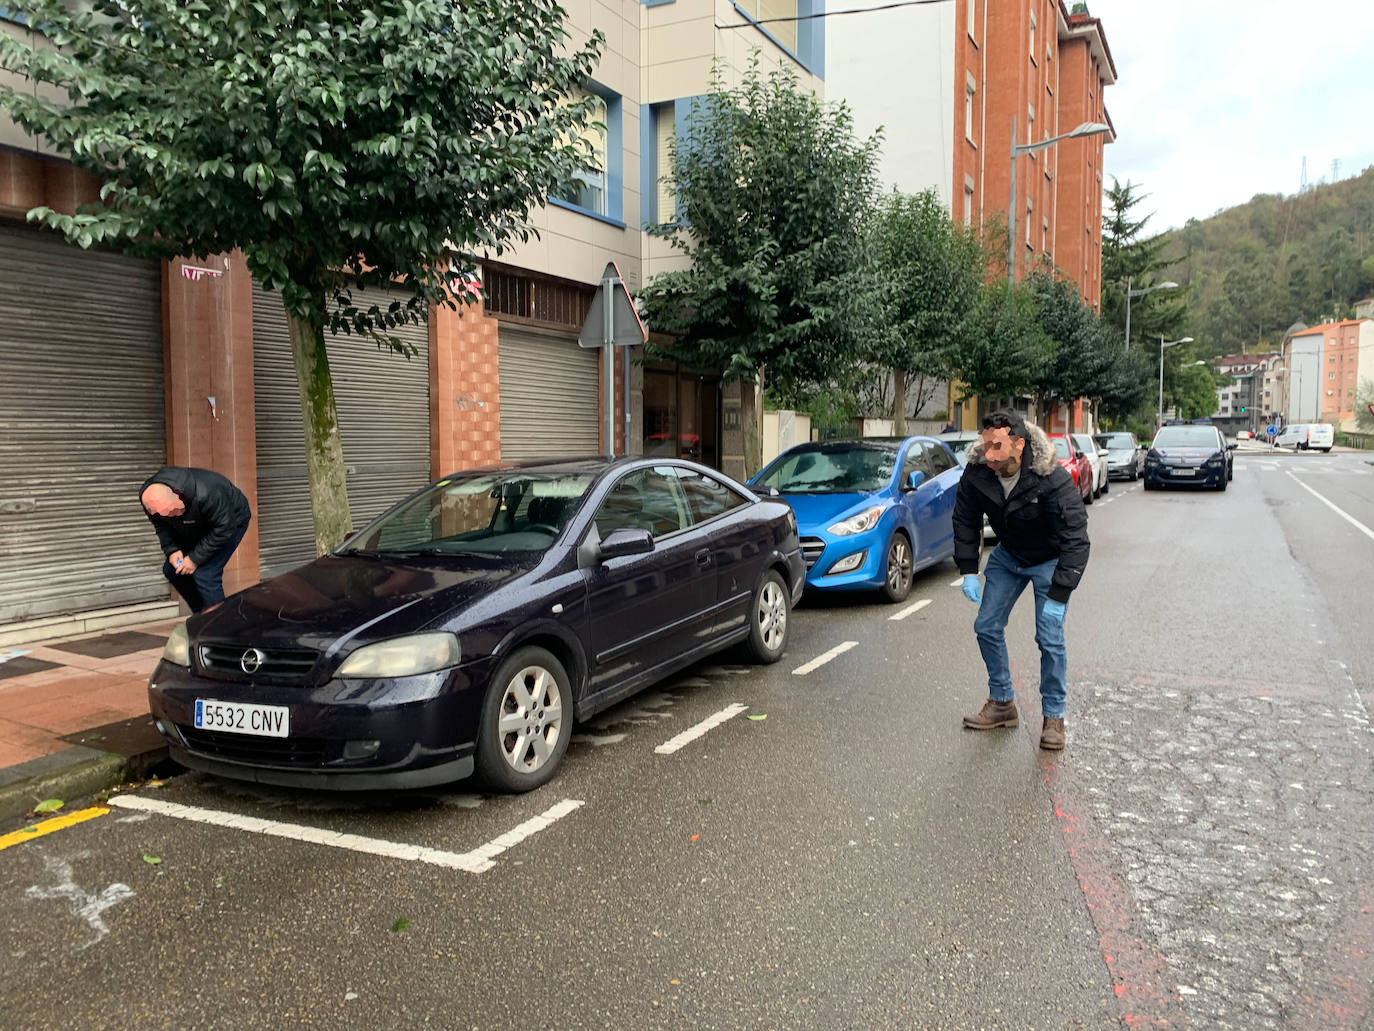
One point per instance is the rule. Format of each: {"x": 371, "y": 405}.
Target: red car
{"x": 1076, "y": 462}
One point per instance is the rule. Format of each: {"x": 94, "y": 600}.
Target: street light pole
{"x": 1086, "y": 129}
{"x": 1166, "y": 285}
{"x": 1159, "y": 416}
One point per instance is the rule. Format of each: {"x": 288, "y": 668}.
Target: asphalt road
{"x": 1199, "y": 856}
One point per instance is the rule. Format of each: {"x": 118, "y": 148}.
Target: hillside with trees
{"x": 1251, "y": 271}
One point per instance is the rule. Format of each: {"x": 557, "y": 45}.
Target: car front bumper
{"x": 1187, "y": 474}
{"x": 867, "y": 575}
{"x": 401, "y": 732}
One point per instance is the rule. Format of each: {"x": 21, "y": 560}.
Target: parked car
{"x": 1305, "y": 436}
{"x": 1097, "y": 458}
{"x": 1244, "y": 435}
{"x": 470, "y": 626}
{"x": 1189, "y": 454}
{"x": 1124, "y": 458}
{"x": 871, "y": 512}
{"x": 1076, "y": 462}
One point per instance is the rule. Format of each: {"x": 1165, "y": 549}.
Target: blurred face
{"x": 162, "y": 501}
{"x": 1002, "y": 451}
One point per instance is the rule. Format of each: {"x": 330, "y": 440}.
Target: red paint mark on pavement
{"x": 1140, "y": 977}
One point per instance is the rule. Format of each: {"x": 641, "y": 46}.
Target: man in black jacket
{"x": 200, "y": 517}
{"x": 1015, "y": 479}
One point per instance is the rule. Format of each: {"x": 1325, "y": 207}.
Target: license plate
{"x": 1185, "y": 472}
{"x": 238, "y": 718}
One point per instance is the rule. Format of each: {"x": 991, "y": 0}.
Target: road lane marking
{"x": 821, "y": 660}
{"x": 692, "y": 733}
{"x": 956, "y": 583}
{"x": 910, "y": 609}
{"x": 1348, "y": 518}
{"x": 478, "y": 860}
{"x": 57, "y": 823}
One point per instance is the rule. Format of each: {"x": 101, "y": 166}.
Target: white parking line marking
{"x": 692, "y": 733}
{"x": 910, "y": 609}
{"x": 1348, "y": 518}
{"x": 821, "y": 660}
{"x": 476, "y": 861}
{"x": 956, "y": 583}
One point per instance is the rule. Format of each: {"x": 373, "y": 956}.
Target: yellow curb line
{"x": 57, "y": 823}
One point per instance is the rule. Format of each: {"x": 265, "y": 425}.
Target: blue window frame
{"x": 600, "y": 192}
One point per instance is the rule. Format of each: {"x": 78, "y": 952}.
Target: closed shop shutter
{"x": 383, "y": 405}
{"x": 81, "y": 426}
{"x": 549, "y": 403}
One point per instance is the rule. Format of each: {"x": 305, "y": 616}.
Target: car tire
{"x": 770, "y": 618}
{"x": 1221, "y": 484}
{"x": 1088, "y": 497}
{"x": 898, "y": 570}
{"x": 1149, "y": 484}
{"x": 1326, "y": 451}
{"x": 526, "y": 687}
{"x": 1106, "y": 485}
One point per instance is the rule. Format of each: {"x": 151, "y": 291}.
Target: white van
{"x": 1306, "y": 435}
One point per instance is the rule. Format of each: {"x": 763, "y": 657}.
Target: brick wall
{"x": 464, "y": 390}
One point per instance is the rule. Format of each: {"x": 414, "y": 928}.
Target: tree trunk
{"x": 749, "y": 416}
{"x": 323, "y": 450}
{"x": 899, "y": 402}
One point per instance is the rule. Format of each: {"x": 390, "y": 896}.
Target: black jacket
{"x": 215, "y": 511}
{"x": 1043, "y": 519}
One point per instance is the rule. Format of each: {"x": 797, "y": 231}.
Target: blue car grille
{"x": 811, "y": 548}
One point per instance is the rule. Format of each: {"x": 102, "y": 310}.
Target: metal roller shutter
{"x": 383, "y": 404}
{"x": 81, "y": 426}
{"x": 548, "y": 395}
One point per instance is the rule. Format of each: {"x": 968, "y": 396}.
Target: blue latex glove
{"x": 1054, "y": 611}
{"x": 972, "y": 591}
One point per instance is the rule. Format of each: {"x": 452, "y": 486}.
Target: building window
{"x": 1030, "y": 210}
{"x": 968, "y": 205}
{"x": 589, "y": 190}
{"x": 969, "y": 89}
{"x": 1032, "y": 37}
{"x": 665, "y": 131}
{"x": 972, "y": 18}
{"x": 767, "y": 11}
{"x": 1030, "y": 128}
{"x": 1045, "y": 235}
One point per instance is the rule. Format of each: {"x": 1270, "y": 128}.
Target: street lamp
{"x": 1086, "y": 129}
{"x": 1166, "y": 285}
{"x": 1159, "y": 416}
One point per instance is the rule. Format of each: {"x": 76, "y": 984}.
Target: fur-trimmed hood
{"x": 1042, "y": 460}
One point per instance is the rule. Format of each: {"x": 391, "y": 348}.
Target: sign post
{"x": 612, "y": 322}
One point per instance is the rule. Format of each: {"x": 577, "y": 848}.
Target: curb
{"x": 73, "y": 774}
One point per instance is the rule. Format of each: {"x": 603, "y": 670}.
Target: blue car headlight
{"x": 858, "y": 523}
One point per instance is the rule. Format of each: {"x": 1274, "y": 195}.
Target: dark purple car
{"x": 471, "y": 625}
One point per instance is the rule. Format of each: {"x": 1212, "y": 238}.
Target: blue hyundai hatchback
{"x": 870, "y": 512}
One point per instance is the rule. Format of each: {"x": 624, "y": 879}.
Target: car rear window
{"x": 1061, "y": 447}
{"x": 1115, "y": 440}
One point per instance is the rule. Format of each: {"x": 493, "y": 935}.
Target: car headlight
{"x": 1216, "y": 460}
{"x": 865, "y": 520}
{"x": 178, "y": 648}
{"x": 403, "y": 656}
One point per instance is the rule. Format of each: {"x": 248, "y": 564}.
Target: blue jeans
{"x": 204, "y": 587}
{"x": 1003, "y": 582}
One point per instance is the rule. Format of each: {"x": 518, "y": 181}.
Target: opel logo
{"x": 252, "y": 660}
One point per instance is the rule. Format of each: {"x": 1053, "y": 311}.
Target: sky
{"x": 1218, "y": 100}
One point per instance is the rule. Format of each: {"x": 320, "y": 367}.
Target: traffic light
{"x": 1242, "y": 409}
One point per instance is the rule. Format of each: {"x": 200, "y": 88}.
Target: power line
{"x": 831, "y": 14}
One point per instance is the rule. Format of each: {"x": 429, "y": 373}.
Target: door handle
{"x": 704, "y": 557}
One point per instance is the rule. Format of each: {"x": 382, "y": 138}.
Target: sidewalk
{"x": 74, "y": 715}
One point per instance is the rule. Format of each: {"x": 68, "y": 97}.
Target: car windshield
{"x": 960, "y": 448}
{"x": 1186, "y": 436}
{"x": 1061, "y": 447}
{"x": 519, "y": 510}
{"x": 848, "y": 468}
{"x": 1115, "y": 440}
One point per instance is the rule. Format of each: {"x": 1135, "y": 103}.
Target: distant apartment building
{"x": 1243, "y": 401}
{"x": 951, "y": 85}
{"x": 188, "y": 362}
{"x": 1325, "y": 366}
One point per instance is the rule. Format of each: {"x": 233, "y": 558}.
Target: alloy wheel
{"x": 531, "y": 719}
{"x": 898, "y": 565}
{"x": 772, "y": 615}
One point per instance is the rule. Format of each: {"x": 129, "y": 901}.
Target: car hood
{"x": 817, "y": 511}
{"x": 1119, "y": 454}
{"x": 344, "y": 596}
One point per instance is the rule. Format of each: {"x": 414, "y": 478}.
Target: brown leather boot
{"x": 1052, "y": 737}
{"x": 993, "y": 714}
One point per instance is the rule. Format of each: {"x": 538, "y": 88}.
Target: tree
{"x": 340, "y": 148}
{"x": 1082, "y": 350}
{"x": 775, "y": 195}
{"x": 1005, "y": 348}
{"x": 1133, "y": 261}
{"x": 930, "y": 271}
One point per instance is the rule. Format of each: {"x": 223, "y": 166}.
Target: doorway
{"x": 682, "y": 415}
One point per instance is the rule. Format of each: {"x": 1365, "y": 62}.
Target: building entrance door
{"x": 682, "y": 415}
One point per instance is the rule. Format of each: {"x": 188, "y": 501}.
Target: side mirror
{"x": 769, "y": 492}
{"x": 915, "y": 479}
{"x": 625, "y": 542}
{"x": 1230, "y": 447}
{"x": 1079, "y": 455}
